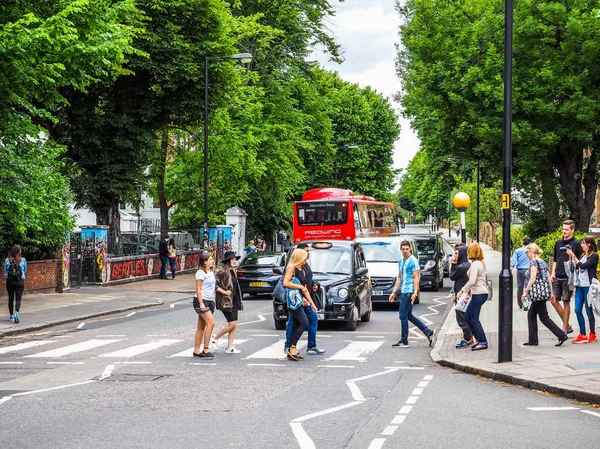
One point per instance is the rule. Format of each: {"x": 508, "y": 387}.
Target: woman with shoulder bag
{"x": 229, "y": 300}
{"x": 537, "y": 293}
{"x": 15, "y": 267}
{"x": 205, "y": 304}
{"x": 172, "y": 257}
{"x": 458, "y": 274}
{"x": 587, "y": 266}
{"x": 294, "y": 279}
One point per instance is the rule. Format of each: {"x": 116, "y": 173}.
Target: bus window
{"x": 322, "y": 214}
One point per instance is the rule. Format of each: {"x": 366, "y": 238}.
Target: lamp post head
{"x": 461, "y": 201}
{"x": 245, "y": 58}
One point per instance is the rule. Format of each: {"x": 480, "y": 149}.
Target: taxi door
{"x": 362, "y": 282}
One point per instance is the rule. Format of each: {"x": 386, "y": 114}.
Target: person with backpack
{"x": 15, "y": 267}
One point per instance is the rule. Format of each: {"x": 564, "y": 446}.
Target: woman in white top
{"x": 477, "y": 284}
{"x": 205, "y": 292}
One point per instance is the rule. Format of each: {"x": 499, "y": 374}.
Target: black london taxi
{"x": 345, "y": 293}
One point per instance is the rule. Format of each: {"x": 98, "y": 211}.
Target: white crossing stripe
{"x": 412, "y": 399}
{"x": 188, "y": 352}
{"x": 398, "y": 419}
{"x": 377, "y": 443}
{"x": 357, "y": 350}
{"x": 27, "y": 345}
{"x": 71, "y": 349}
{"x": 405, "y": 409}
{"x": 132, "y": 351}
{"x": 389, "y": 430}
{"x": 274, "y": 351}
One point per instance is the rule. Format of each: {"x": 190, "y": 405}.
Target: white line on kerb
{"x": 80, "y": 325}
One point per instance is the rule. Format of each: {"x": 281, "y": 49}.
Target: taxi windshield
{"x": 426, "y": 247}
{"x": 382, "y": 251}
{"x": 330, "y": 261}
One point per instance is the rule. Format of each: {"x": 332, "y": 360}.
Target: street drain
{"x": 134, "y": 377}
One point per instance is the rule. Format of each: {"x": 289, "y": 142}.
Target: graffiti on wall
{"x": 66, "y": 262}
{"x": 119, "y": 269}
{"x": 192, "y": 261}
{"x": 128, "y": 268}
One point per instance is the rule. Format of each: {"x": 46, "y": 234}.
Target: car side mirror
{"x": 362, "y": 272}
{"x": 277, "y": 270}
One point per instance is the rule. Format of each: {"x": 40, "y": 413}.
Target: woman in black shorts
{"x": 229, "y": 300}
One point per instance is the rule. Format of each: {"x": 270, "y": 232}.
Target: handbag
{"x": 293, "y": 296}
{"x": 463, "y": 302}
{"x": 593, "y": 297}
{"x": 279, "y": 290}
{"x": 196, "y": 305}
{"x": 572, "y": 274}
{"x": 490, "y": 288}
{"x": 540, "y": 290}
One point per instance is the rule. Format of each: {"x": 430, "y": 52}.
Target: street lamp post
{"x": 505, "y": 303}
{"x": 461, "y": 202}
{"x": 478, "y": 181}
{"x": 245, "y": 58}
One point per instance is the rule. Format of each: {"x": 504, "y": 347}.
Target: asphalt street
{"x": 130, "y": 381}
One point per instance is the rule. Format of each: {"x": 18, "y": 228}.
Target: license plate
{"x": 258, "y": 284}
{"x": 321, "y": 315}
{"x": 378, "y": 293}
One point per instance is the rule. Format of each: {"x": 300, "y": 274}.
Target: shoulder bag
{"x": 540, "y": 290}
{"x": 279, "y": 290}
{"x": 593, "y": 297}
{"x": 294, "y": 296}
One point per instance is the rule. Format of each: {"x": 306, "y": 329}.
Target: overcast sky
{"x": 367, "y": 31}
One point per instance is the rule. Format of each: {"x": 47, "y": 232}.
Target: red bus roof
{"x": 328, "y": 193}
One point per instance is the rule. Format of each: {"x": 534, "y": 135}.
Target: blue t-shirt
{"x": 407, "y": 267}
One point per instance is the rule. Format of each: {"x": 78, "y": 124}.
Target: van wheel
{"x": 279, "y": 325}
{"x": 351, "y": 325}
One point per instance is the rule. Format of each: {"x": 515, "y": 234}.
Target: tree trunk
{"x": 578, "y": 177}
{"x": 160, "y": 184}
{"x": 550, "y": 200}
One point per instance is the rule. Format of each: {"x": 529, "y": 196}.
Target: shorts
{"x": 561, "y": 291}
{"x": 230, "y": 315}
{"x": 209, "y": 306}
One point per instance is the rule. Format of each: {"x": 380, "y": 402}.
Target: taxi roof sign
{"x": 322, "y": 245}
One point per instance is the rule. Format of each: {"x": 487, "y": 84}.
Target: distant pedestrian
{"x": 520, "y": 261}
{"x": 229, "y": 300}
{"x": 538, "y": 308}
{"x": 250, "y": 248}
{"x": 261, "y": 245}
{"x": 458, "y": 274}
{"x": 477, "y": 285}
{"x": 163, "y": 253}
{"x": 15, "y": 267}
{"x": 407, "y": 282}
{"x": 172, "y": 257}
{"x": 205, "y": 292}
{"x": 559, "y": 278}
{"x": 287, "y": 244}
{"x": 587, "y": 267}
{"x": 457, "y": 229}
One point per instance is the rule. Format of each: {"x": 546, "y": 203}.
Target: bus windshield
{"x": 322, "y": 213}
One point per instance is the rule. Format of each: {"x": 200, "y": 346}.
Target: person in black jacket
{"x": 458, "y": 274}
{"x": 587, "y": 266}
{"x": 163, "y": 253}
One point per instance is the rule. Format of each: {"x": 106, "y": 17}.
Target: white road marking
{"x": 304, "y": 440}
{"x": 65, "y": 363}
{"x": 205, "y": 364}
{"x": 404, "y": 367}
{"x": 389, "y": 430}
{"x": 550, "y": 409}
{"x": 377, "y": 443}
{"x": 412, "y": 400}
{"x": 5, "y": 399}
{"x": 335, "y": 366}
{"x": 137, "y": 363}
{"x": 326, "y": 411}
{"x": 428, "y": 377}
{"x": 11, "y": 363}
{"x": 589, "y": 412}
{"x": 267, "y": 335}
{"x": 274, "y": 351}
{"x": 355, "y": 391}
{"x": 116, "y": 335}
{"x": 265, "y": 364}
{"x": 370, "y": 336}
{"x": 370, "y": 376}
{"x": 417, "y": 391}
{"x": 107, "y": 372}
{"x": 27, "y": 345}
{"x": 398, "y": 419}
{"x": 261, "y": 318}
{"x": 356, "y": 351}
{"x": 80, "y": 325}
{"x": 172, "y": 306}
{"x": 130, "y": 314}
{"x": 189, "y": 352}
{"x": 405, "y": 410}
{"x": 71, "y": 349}
{"x": 133, "y": 351}
{"x": 423, "y": 384}
{"x": 53, "y": 388}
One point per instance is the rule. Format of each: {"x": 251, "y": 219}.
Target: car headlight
{"x": 429, "y": 265}
{"x": 342, "y": 293}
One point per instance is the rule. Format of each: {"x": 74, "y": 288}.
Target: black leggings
{"x": 538, "y": 308}
{"x": 299, "y": 324}
{"x": 14, "y": 289}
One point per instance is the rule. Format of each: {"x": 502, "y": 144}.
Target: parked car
{"x": 255, "y": 272}
{"x": 448, "y": 255}
{"x": 346, "y": 293}
{"x": 382, "y": 255}
{"x": 431, "y": 260}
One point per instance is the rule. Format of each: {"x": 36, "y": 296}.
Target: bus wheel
{"x": 351, "y": 325}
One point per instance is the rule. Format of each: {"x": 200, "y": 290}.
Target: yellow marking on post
{"x": 506, "y": 201}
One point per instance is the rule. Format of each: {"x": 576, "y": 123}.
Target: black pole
{"x": 206, "y": 151}
{"x": 505, "y": 304}
{"x": 478, "y": 181}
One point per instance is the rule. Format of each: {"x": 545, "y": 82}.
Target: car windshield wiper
{"x": 318, "y": 272}
{"x": 337, "y": 272}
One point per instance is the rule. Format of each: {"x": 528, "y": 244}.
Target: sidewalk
{"x": 571, "y": 371}
{"x": 39, "y": 311}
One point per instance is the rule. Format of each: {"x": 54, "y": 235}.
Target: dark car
{"x": 448, "y": 255}
{"x": 345, "y": 293}
{"x": 255, "y": 272}
{"x": 431, "y": 260}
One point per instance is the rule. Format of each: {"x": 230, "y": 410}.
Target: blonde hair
{"x": 474, "y": 252}
{"x": 534, "y": 249}
{"x": 251, "y": 242}
{"x": 298, "y": 256}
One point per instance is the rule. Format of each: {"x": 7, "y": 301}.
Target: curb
{"x": 36, "y": 327}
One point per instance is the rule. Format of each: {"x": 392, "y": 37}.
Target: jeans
{"x": 173, "y": 263}
{"x": 539, "y": 308}
{"x": 520, "y": 285}
{"x": 464, "y": 325}
{"x": 299, "y": 324}
{"x": 581, "y": 302}
{"x": 313, "y": 322}
{"x": 163, "y": 269}
{"x": 406, "y": 315}
{"x": 472, "y": 316}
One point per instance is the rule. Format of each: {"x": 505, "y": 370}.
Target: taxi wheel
{"x": 351, "y": 325}
{"x": 366, "y": 317}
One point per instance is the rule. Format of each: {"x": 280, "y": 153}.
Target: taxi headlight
{"x": 429, "y": 265}
{"x": 342, "y": 293}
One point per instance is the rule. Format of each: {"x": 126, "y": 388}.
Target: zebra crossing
{"x": 254, "y": 348}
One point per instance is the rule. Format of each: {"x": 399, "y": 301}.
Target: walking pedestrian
{"x": 306, "y": 275}
{"x": 15, "y": 267}
{"x": 300, "y": 321}
{"x": 163, "y": 253}
{"x": 587, "y": 266}
{"x": 287, "y": 244}
{"x": 477, "y": 284}
{"x": 538, "y": 308}
{"x": 229, "y": 300}
{"x": 520, "y": 262}
{"x": 559, "y": 278}
{"x": 458, "y": 274}
{"x": 261, "y": 245}
{"x": 407, "y": 282}
{"x": 172, "y": 257}
{"x": 205, "y": 292}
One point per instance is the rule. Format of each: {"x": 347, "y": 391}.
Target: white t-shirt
{"x": 209, "y": 284}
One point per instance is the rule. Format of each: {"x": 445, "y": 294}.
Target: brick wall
{"x": 42, "y": 277}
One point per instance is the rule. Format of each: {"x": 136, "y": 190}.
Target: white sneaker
{"x": 214, "y": 343}
{"x": 232, "y": 350}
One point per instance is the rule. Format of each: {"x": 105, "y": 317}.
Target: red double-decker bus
{"x": 339, "y": 214}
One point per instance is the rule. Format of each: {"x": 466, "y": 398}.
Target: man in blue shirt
{"x": 408, "y": 283}
{"x": 520, "y": 261}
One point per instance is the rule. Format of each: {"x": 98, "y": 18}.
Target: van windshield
{"x": 382, "y": 251}
{"x": 426, "y": 247}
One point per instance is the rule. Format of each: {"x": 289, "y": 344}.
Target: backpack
{"x": 14, "y": 272}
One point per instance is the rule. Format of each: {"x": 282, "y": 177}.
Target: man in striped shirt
{"x": 408, "y": 283}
